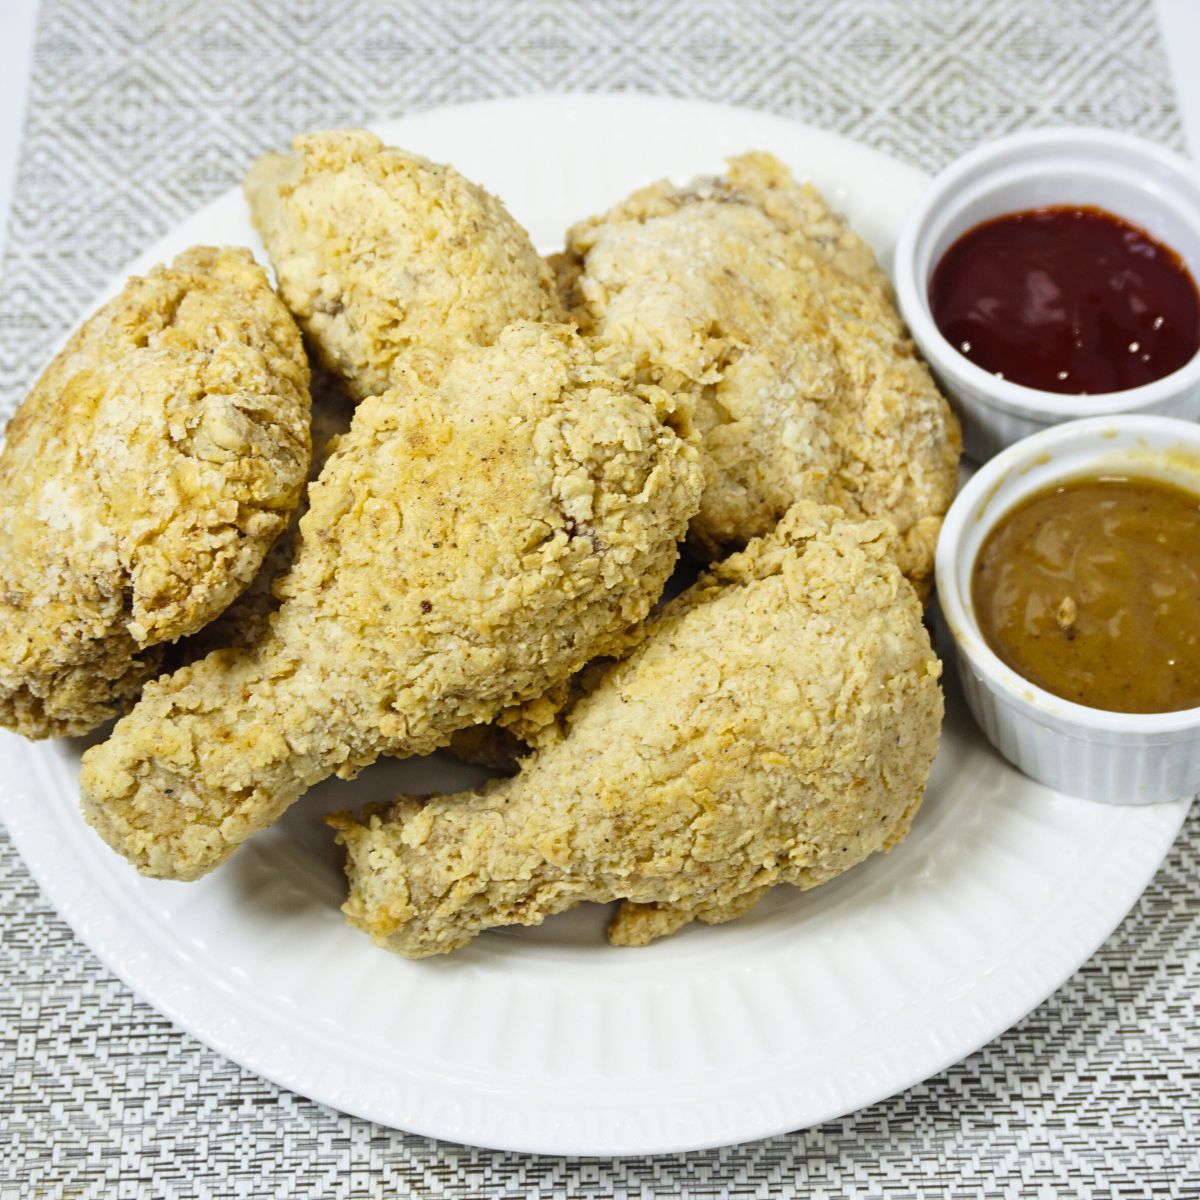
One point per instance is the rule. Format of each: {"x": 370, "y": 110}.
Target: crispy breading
{"x": 776, "y": 724}
{"x": 142, "y": 480}
{"x": 390, "y": 261}
{"x": 748, "y": 293}
{"x": 501, "y": 744}
{"x": 466, "y": 547}
{"x": 246, "y": 620}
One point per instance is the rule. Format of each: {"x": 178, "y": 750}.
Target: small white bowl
{"x": 1146, "y": 184}
{"x": 1119, "y": 758}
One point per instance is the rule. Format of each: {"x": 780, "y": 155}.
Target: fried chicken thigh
{"x": 141, "y": 483}
{"x": 776, "y": 724}
{"x": 389, "y": 261}
{"x": 748, "y": 293}
{"x": 467, "y": 546}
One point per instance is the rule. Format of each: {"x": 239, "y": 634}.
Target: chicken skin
{"x": 749, "y": 294}
{"x": 141, "y": 483}
{"x": 467, "y": 546}
{"x": 776, "y": 724}
{"x": 389, "y": 261}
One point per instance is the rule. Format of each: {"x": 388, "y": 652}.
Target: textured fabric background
{"x": 140, "y": 110}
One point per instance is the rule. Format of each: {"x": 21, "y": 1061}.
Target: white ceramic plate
{"x": 550, "y": 1040}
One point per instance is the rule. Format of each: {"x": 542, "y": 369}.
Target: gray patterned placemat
{"x": 140, "y": 111}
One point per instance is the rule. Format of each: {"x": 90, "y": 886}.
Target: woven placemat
{"x": 139, "y": 111}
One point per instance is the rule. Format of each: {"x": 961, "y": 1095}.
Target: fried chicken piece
{"x": 247, "y": 619}
{"x": 776, "y": 724}
{"x": 749, "y": 294}
{"x": 466, "y": 547}
{"x": 142, "y": 481}
{"x": 390, "y": 261}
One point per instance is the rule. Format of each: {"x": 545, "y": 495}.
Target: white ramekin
{"x": 1138, "y": 180}
{"x": 1119, "y": 758}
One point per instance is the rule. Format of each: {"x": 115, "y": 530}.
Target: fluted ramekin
{"x": 1138, "y": 180}
{"x": 1118, "y": 758}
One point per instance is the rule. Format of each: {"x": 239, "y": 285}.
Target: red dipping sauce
{"x": 1071, "y": 300}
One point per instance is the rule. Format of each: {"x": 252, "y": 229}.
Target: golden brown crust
{"x": 466, "y": 547}
{"x": 535, "y": 723}
{"x": 776, "y": 724}
{"x": 389, "y": 261}
{"x": 247, "y": 619}
{"x": 747, "y": 293}
{"x": 143, "y": 479}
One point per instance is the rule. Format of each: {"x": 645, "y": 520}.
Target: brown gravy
{"x": 1091, "y": 590}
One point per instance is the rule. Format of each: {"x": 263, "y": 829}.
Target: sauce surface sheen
{"x": 1091, "y": 590}
{"x": 1070, "y": 300}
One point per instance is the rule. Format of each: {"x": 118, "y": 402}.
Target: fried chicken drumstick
{"x": 467, "y": 546}
{"x": 775, "y": 725}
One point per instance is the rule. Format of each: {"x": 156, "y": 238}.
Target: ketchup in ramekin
{"x": 1067, "y": 299}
